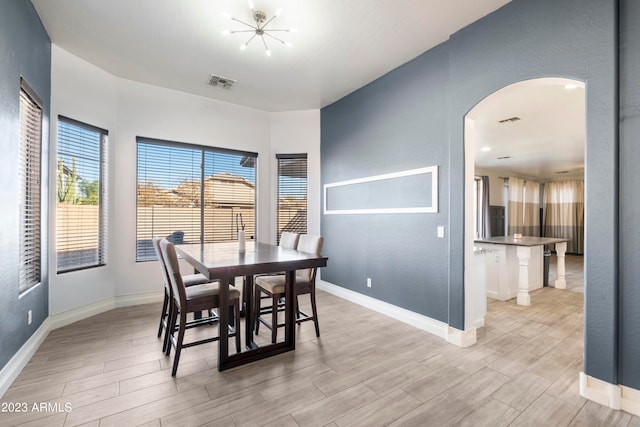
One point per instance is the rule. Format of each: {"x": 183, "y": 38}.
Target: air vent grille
{"x": 221, "y": 82}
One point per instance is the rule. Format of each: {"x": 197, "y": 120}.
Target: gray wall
{"x": 396, "y": 123}
{"x": 25, "y": 50}
{"x": 629, "y": 194}
{"x": 387, "y": 126}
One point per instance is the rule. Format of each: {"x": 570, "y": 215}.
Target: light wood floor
{"x": 365, "y": 370}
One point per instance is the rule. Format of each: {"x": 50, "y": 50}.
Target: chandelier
{"x": 259, "y": 29}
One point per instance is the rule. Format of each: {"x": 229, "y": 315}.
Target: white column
{"x": 561, "y": 248}
{"x": 524, "y": 253}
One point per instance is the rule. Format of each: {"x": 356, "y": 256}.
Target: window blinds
{"x": 292, "y": 194}
{"x": 81, "y": 225}
{"x": 192, "y": 194}
{"x": 29, "y": 188}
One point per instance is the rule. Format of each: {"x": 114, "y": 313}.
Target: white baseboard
{"x": 71, "y": 316}
{"x": 12, "y": 369}
{"x": 435, "y": 327}
{"x": 614, "y": 396}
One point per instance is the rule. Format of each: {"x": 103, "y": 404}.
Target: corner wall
{"x": 414, "y": 116}
{"x": 25, "y": 50}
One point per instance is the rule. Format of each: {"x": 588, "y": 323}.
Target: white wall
{"x": 88, "y": 94}
{"x": 292, "y": 133}
{"x": 129, "y": 109}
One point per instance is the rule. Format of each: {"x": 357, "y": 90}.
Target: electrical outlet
{"x": 368, "y": 282}
{"x": 29, "y": 317}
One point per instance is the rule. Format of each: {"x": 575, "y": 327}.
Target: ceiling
{"x": 339, "y": 46}
{"x": 547, "y": 143}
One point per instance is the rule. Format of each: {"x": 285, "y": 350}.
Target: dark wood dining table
{"x": 224, "y": 262}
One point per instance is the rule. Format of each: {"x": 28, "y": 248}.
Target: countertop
{"x": 523, "y": 241}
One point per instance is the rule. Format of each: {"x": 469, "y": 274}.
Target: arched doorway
{"x": 534, "y": 129}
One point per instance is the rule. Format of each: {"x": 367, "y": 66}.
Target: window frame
{"x": 251, "y": 159}
{"x": 102, "y": 237}
{"x": 30, "y": 233}
{"x": 295, "y": 156}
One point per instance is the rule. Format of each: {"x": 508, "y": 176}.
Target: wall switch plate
{"x": 441, "y": 231}
{"x": 368, "y": 282}
{"x": 29, "y": 317}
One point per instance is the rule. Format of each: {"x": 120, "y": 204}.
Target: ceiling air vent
{"x": 222, "y": 82}
{"x": 510, "y": 120}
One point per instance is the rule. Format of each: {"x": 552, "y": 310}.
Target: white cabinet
{"x": 503, "y": 269}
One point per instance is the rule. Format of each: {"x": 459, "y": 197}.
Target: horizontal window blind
{"x": 29, "y": 188}
{"x": 292, "y": 194}
{"x": 81, "y": 226}
{"x": 192, "y": 194}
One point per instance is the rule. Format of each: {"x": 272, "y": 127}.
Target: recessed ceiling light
{"x": 485, "y": 149}
{"x": 570, "y": 86}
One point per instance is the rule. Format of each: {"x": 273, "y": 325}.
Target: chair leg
{"x": 256, "y": 307}
{"x": 274, "y": 318}
{"x": 314, "y": 311}
{"x": 171, "y": 327}
{"x": 237, "y": 325}
{"x": 165, "y": 314}
{"x": 176, "y": 356}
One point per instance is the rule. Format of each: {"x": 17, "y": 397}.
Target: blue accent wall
{"x": 629, "y": 194}
{"x": 396, "y": 123}
{"x": 414, "y": 117}
{"x": 25, "y": 50}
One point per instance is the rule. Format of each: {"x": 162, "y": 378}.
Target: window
{"x": 29, "y": 187}
{"x": 81, "y": 225}
{"x": 193, "y": 194}
{"x": 292, "y": 194}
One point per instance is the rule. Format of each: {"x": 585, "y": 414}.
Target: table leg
{"x": 290, "y": 320}
{"x": 524, "y": 253}
{"x": 223, "y": 323}
{"x": 561, "y": 249}
{"x": 247, "y": 296}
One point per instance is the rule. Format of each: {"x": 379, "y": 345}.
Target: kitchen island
{"x": 515, "y": 266}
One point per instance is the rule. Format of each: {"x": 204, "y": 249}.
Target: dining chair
{"x": 193, "y": 299}
{"x": 288, "y": 240}
{"x": 188, "y": 280}
{"x": 274, "y": 287}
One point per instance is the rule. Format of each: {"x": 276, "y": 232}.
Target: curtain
{"x": 524, "y": 207}
{"x": 485, "y": 215}
{"x": 564, "y": 213}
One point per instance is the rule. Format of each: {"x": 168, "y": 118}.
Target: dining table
{"x": 224, "y": 262}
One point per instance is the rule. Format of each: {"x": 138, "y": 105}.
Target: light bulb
{"x": 287, "y": 44}
{"x": 243, "y": 47}
{"x": 225, "y": 32}
{"x": 278, "y": 12}
{"x": 267, "y": 52}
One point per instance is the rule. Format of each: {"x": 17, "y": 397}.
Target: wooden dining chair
{"x": 288, "y": 240}
{"x": 188, "y": 280}
{"x": 193, "y": 299}
{"x": 274, "y": 287}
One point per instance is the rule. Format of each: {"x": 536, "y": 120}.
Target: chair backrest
{"x": 289, "y": 240}
{"x": 313, "y": 245}
{"x": 165, "y": 275}
{"x": 173, "y": 271}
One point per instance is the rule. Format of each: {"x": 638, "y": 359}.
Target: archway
{"x": 523, "y": 127}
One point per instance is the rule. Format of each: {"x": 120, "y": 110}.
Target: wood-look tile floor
{"x": 365, "y": 370}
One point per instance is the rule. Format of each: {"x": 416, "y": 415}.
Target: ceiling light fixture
{"x": 485, "y": 149}
{"x": 259, "y": 29}
{"x": 570, "y": 86}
